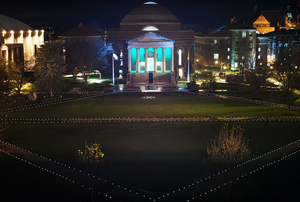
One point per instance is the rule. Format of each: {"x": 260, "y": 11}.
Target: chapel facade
{"x": 152, "y": 48}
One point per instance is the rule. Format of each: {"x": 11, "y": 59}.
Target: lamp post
{"x": 188, "y": 70}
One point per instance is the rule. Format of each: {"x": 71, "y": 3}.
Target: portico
{"x": 151, "y": 60}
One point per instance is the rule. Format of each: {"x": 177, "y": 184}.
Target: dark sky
{"x": 108, "y": 14}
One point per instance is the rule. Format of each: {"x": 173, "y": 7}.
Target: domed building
{"x": 19, "y": 41}
{"x": 152, "y": 48}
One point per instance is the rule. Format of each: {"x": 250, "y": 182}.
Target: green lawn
{"x": 156, "y": 157}
{"x": 149, "y": 156}
{"x": 269, "y": 96}
{"x": 165, "y": 105}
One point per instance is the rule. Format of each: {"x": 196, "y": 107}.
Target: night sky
{"x": 108, "y": 14}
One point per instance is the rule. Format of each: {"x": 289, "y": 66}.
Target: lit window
{"x": 258, "y": 57}
{"x": 259, "y": 49}
{"x": 228, "y": 49}
{"x": 150, "y": 28}
{"x": 121, "y": 53}
{"x": 64, "y": 49}
{"x": 179, "y": 57}
{"x": 243, "y": 34}
{"x": 121, "y": 62}
{"x": 235, "y": 64}
{"x": 228, "y": 57}
{"x": 216, "y": 56}
{"x": 260, "y": 63}
{"x": 215, "y": 41}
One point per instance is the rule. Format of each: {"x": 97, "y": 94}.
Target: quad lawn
{"x": 164, "y": 105}
{"x": 155, "y": 157}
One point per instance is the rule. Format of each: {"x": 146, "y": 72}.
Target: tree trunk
{"x": 51, "y": 93}
{"x": 288, "y": 103}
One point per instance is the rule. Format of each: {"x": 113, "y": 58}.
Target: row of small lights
{"x": 143, "y": 120}
{"x": 168, "y": 194}
{"x": 234, "y": 167}
{"x": 61, "y": 164}
{"x": 244, "y": 175}
{"x": 250, "y": 100}
{"x": 47, "y": 103}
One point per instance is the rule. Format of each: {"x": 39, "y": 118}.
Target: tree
{"x": 86, "y": 56}
{"x": 202, "y": 73}
{"x": 50, "y": 66}
{"x": 229, "y": 147}
{"x": 91, "y": 156}
{"x": 287, "y": 71}
{"x": 15, "y": 75}
{"x": 5, "y": 85}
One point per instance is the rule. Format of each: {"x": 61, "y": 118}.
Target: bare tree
{"x": 228, "y": 147}
{"x": 287, "y": 72}
{"x": 85, "y": 56}
{"x": 203, "y": 73}
{"x": 91, "y": 156}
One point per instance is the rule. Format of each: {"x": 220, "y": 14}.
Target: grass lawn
{"x": 269, "y": 96}
{"x": 156, "y": 157}
{"x": 165, "y": 105}
{"x": 23, "y": 182}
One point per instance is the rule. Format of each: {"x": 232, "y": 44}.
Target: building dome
{"x": 8, "y": 23}
{"x": 150, "y": 12}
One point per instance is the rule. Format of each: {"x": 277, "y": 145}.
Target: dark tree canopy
{"x": 286, "y": 69}
{"x": 50, "y": 66}
{"x": 87, "y": 55}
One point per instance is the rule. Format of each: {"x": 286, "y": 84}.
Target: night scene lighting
{"x": 150, "y": 101}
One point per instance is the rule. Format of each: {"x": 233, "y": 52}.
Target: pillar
{"x": 146, "y": 59}
{"x": 155, "y": 60}
{"x": 137, "y": 60}
{"x": 129, "y": 60}
{"x": 172, "y": 59}
{"x": 163, "y": 60}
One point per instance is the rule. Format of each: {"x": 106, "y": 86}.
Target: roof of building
{"x": 82, "y": 31}
{"x": 285, "y": 32}
{"x": 152, "y": 12}
{"x": 151, "y": 37}
{"x": 9, "y": 23}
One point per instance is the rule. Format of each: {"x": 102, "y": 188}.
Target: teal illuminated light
{"x": 142, "y": 59}
{"x": 150, "y": 61}
{"x": 159, "y": 53}
{"x": 133, "y": 60}
{"x": 168, "y": 59}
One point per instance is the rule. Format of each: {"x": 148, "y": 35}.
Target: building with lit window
{"x": 232, "y": 45}
{"x": 152, "y": 47}
{"x": 19, "y": 42}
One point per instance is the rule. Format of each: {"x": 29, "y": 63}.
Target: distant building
{"x": 230, "y": 46}
{"x": 19, "y": 42}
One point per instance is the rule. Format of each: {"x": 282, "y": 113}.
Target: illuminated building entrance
{"x": 151, "y": 60}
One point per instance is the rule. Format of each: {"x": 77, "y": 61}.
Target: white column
{"x": 155, "y": 60}
{"x": 172, "y": 59}
{"x": 146, "y": 59}
{"x": 137, "y": 60}
{"x": 163, "y": 61}
{"x": 129, "y": 60}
